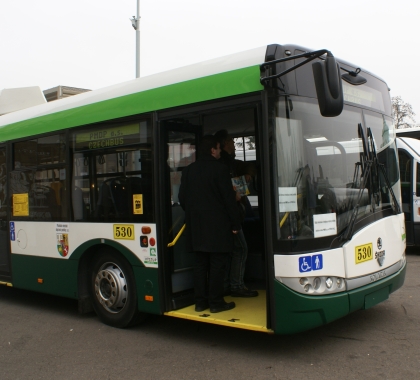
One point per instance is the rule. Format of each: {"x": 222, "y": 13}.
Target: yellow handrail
{"x": 177, "y": 237}
{"x": 287, "y": 213}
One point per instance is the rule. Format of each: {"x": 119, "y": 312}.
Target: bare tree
{"x": 402, "y": 111}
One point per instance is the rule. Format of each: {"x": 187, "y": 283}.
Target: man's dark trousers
{"x": 213, "y": 263}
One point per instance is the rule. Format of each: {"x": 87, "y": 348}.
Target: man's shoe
{"x": 222, "y": 307}
{"x": 243, "y": 292}
{"x": 201, "y": 306}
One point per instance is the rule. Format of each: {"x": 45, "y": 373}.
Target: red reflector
{"x": 146, "y": 230}
{"x": 148, "y": 298}
{"x": 40, "y": 280}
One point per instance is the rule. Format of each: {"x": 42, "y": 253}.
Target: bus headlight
{"x": 329, "y": 282}
{"x": 319, "y": 285}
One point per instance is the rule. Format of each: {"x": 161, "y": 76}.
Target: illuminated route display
{"x": 107, "y": 138}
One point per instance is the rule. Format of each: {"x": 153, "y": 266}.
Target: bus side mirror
{"x": 328, "y": 86}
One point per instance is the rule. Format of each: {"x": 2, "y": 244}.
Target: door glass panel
{"x": 180, "y": 153}
{"x": 405, "y": 175}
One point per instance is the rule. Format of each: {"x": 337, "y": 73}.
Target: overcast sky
{"x": 91, "y": 43}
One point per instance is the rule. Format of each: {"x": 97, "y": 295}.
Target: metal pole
{"x": 135, "y": 21}
{"x": 138, "y": 40}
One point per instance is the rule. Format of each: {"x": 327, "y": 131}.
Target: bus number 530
{"x": 124, "y": 231}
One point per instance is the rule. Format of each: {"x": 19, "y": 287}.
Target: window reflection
{"x": 40, "y": 174}
{"x": 112, "y": 173}
{"x": 319, "y": 160}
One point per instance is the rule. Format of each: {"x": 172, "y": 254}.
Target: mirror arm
{"x": 310, "y": 56}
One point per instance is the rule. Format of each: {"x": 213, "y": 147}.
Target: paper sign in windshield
{"x": 325, "y": 225}
{"x": 288, "y": 199}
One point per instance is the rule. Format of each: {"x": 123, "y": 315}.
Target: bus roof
{"x": 231, "y": 75}
{"x": 188, "y": 75}
{"x": 409, "y": 132}
{"x": 413, "y": 144}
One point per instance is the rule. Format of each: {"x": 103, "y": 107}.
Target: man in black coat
{"x": 212, "y": 219}
{"x": 236, "y": 270}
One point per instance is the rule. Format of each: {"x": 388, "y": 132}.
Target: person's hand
{"x": 238, "y": 196}
{"x": 234, "y": 232}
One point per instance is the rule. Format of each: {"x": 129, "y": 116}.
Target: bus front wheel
{"x": 113, "y": 290}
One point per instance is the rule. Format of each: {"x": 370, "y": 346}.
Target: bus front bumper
{"x": 296, "y": 312}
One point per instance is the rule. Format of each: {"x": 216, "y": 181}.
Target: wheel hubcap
{"x": 111, "y": 287}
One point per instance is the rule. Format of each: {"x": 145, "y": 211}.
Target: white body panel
{"x": 288, "y": 265}
{"x": 40, "y": 239}
{"x": 391, "y": 231}
{"x": 341, "y": 262}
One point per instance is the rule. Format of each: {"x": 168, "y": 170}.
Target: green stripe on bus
{"x": 197, "y": 90}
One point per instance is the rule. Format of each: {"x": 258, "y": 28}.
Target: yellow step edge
{"x": 208, "y": 318}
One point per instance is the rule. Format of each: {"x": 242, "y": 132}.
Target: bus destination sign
{"x": 108, "y": 138}
{"x": 364, "y": 96}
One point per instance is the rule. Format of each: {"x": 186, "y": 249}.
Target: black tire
{"x": 113, "y": 290}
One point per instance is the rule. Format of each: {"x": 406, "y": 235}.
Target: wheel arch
{"x": 84, "y": 254}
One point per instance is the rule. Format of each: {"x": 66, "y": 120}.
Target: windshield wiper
{"x": 366, "y": 164}
{"x": 369, "y": 159}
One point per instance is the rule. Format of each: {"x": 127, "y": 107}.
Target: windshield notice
{"x": 325, "y": 225}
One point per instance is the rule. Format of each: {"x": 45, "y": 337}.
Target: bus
{"x": 89, "y": 191}
{"x": 413, "y": 132}
{"x": 408, "y": 144}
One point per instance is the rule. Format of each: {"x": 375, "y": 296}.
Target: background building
{"x": 60, "y": 92}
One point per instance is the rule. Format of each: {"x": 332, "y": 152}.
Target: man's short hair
{"x": 221, "y": 137}
{"x": 206, "y": 144}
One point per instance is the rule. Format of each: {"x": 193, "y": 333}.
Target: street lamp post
{"x": 135, "y": 21}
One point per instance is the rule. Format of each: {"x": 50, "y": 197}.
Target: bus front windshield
{"x": 319, "y": 166}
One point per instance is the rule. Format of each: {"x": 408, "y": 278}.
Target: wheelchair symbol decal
{"x": 310, "y": 263}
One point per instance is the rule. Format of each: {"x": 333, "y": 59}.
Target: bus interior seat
{"x": 116, "y": 198}
{"x": 104, "y": 204}
{"x": 78, "y": 204}
{"x": 120, "y": 197}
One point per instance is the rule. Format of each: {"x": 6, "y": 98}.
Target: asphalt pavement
{"x": 44, "y": 337}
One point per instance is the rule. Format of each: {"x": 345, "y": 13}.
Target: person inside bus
{"x": 234, "y": 278}
{"x": 212, "y": 219}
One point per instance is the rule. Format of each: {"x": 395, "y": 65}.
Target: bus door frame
{"x": 259, "y": 102}
{"x": 166, "y": 262}
{"x": 6, "y": 270}
{"x": 265, "y": 147}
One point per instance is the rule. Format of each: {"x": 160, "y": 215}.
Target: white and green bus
{"x": 89, "y": 191}
{"x": 408, "y": 143}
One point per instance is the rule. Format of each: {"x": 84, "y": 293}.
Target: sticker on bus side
{"x": 310, "y": 263}
{"x": 363, "y": 253}
{"x": 124, "y": 231}
{"x": 12, "y": 231}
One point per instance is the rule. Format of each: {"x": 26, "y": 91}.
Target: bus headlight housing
{"x": 319, "y": 285}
